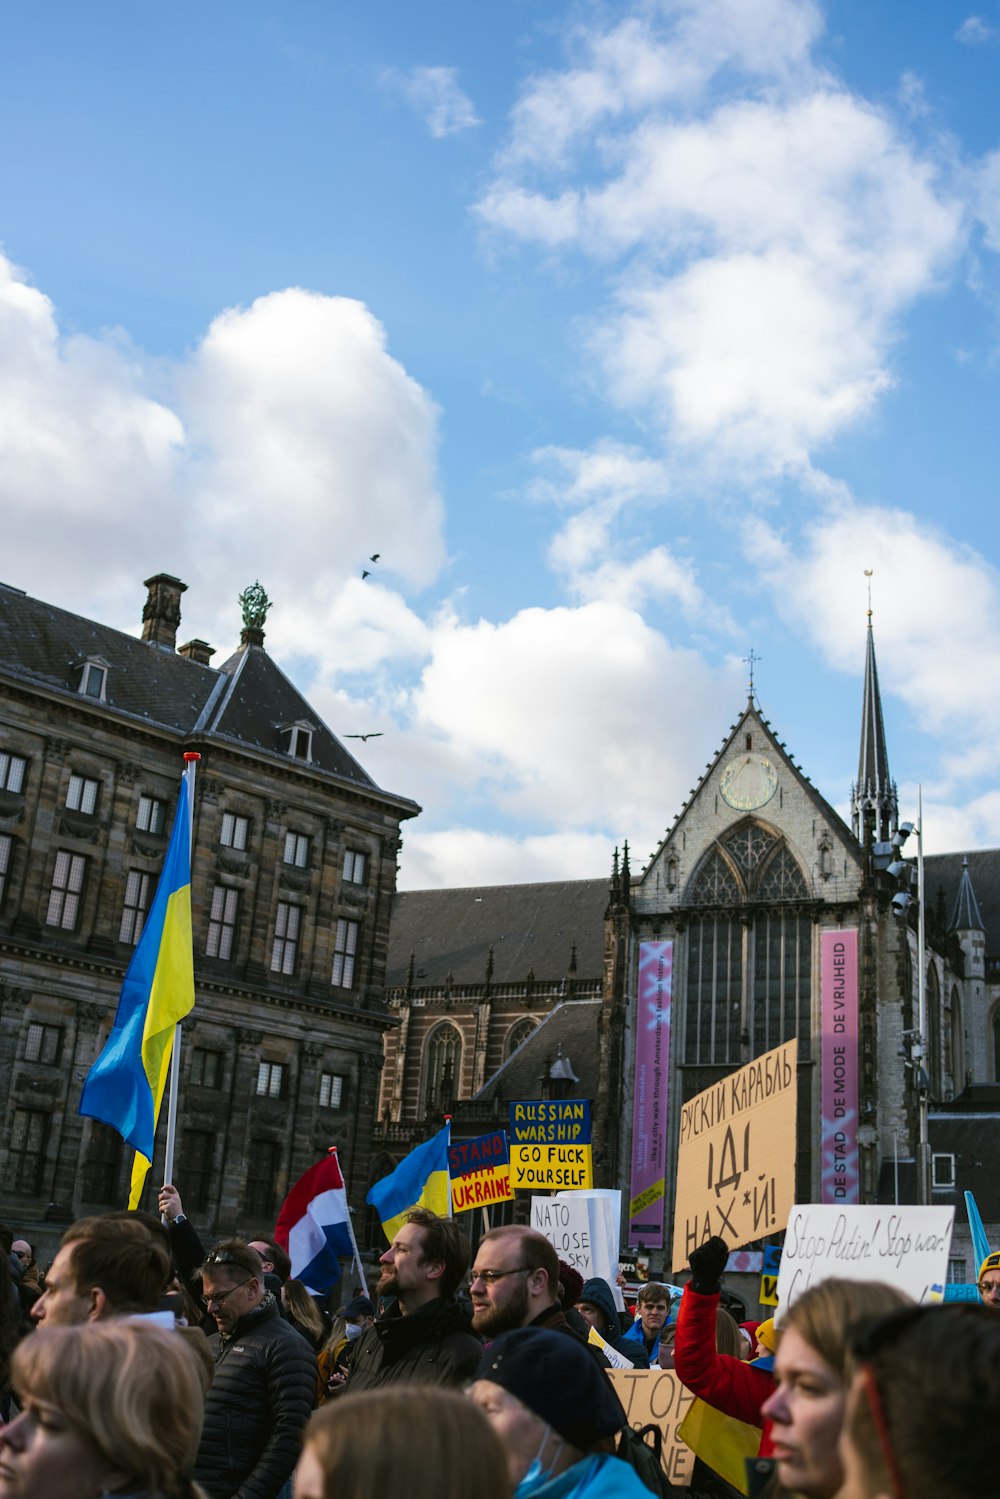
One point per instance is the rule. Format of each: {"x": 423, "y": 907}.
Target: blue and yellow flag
{"x": 125, "y": 1086}
{"x": 720, "y": 1441}
{"x": 421, "y": 1179}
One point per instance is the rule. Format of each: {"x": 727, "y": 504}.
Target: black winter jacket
{"x": 433, "y": 1345}
{"x": 259, "y": 1401}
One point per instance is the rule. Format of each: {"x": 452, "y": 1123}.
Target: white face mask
{"x": 354, "y": 1330}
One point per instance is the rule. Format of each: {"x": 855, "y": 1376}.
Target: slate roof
{"x": 530, "y": 928}
{"x": 245, "y": 702}
{"x": 944, "y": 872}
{"x": 570, "y": 1029}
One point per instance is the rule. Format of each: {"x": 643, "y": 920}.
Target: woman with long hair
{"x": 421, "y": 1440}
{"x": 107, "y": 1409}
{"x": 303, "y": 1312}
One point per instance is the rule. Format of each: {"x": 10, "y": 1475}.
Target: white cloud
{"x": 465, "y": 856}
{"x": 936, "y": 619}
{"x": 437, "y": 97}
{"x": 572, "y": 715}
{"x": 974, "y": 31}
{"x": 758, "y": 258}
{"x": 289, "y": 445}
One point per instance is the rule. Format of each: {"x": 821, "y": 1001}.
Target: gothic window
{"x": 748, "y": 846}
{"x": 715, "y": 992}
{"x": 444, "y": 1068}
{"x": 782, "y": 879}
{"x": 715, "y": 884}
{"x": 518, "y": 1034}
{"x": 933, "y": 1059}
{"x": 782, "y": 982}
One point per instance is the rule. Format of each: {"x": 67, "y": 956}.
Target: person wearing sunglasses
{"x": 922, "y": 1406}
{"x": 264, "y": 1385}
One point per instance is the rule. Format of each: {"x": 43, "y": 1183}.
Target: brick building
{"x": 293, "y": 872}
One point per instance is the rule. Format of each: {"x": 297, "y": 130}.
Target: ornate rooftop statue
{"x": 255, "y": 603}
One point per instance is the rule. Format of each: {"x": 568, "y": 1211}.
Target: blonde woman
{"x": 107, "y": 1409}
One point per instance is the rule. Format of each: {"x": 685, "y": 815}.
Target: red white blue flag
{"x": 314, "y": 1226}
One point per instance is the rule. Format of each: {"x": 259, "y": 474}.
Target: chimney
{"x": 161, "y": 612}
{"x": 197, "y": 650}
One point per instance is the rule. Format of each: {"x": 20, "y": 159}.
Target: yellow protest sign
{"x": 657, "y": 1395}
{"x": 736, "y": 1160}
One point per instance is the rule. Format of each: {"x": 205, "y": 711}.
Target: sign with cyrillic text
{"x": 905, "y": 1246}
{"x": 736, "y": 1160}
{"x": 657, "y": 1395}
{"x": 480, "y": 1171}
{"x": 550, "y": 1148}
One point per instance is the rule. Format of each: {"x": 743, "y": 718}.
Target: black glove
{"x": 707, "y": 1264}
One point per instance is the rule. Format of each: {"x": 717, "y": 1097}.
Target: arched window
{"x": 934, "y": 1061}
{"x": 749, "y": 969}
{"x": 443, "y": 1068}
{"x": 518, "y": 1034}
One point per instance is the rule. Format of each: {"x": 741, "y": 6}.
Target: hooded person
{"x": 597, "y": 1307}
{"x": 557, "y": 1415}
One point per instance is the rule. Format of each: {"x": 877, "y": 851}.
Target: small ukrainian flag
{"x": 421, "y": 1179}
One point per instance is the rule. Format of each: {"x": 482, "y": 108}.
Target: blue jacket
{"x": 635, "y": 1334}
{"x": 599, "y": 1476}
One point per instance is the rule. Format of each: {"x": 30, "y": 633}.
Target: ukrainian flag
{"x": 421, "y": 1179}
{"x": 125, "y": 1086}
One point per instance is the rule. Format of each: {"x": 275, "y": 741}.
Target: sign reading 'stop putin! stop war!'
{"x": 736, "y": 1160}
{"x": 550, "y": 1148}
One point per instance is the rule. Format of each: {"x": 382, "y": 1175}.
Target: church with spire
{"x": 773, "y": 920}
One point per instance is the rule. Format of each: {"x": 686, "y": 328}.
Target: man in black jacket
{"x": 264, "y": 1386}
{"x": 425, "y": 1338}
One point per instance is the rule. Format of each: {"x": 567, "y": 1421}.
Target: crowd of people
{"x": 143, "y": 1366}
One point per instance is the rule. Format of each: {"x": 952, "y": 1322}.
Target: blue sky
{"x": 628, "y": 336}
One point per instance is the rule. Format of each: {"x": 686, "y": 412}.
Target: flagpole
{"x": 190, "y": 761}
{"x": 350, "y": 1229}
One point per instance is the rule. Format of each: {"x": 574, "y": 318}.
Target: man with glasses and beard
{"x": 424, "y": 1338}
{"x": 515, "y": 1283}
{"x": 265, "y": 1381}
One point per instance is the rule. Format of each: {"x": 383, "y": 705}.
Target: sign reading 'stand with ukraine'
{"x": 550, "y": 1145}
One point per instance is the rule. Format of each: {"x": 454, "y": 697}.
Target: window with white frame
{"x": 296, "y": 849}
{"x": 43, "y": 1043}
{"x": 270, "y": 1080}
{"x": 81, "y": 795}
{"x": 956, "y": 1271}
{"x": 331, "y": 1090}
{"x": 152, "y": 815}
{"x": 354, "y": 867}
{"x": 943, "y": 1171}
{"x": 222, "y": 923}
{"x": 6, "y": 859}
{"x": 93, "y": 680}
{"x": 300, "y": 737}
{"x": 68, "y": 878}
{"x": 136, "y": 906}
{"x": 284, "y": 949}
{"x": 345, "y": 950}
{"x": 235, "y": 831}
{"x": 13, "y": 769}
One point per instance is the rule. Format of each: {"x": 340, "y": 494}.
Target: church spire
{"x": 874, "y": 810}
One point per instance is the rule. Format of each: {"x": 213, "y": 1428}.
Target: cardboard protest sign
{"x": 480, "y": 1171}
{"x": 550, "y": 1148}
{"x": 736, "y": 1160}
{"x": 905, "y": 1246}
{"x": 657, "y": 1395}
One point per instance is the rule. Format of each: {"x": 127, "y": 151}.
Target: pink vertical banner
{"x": 649, "y": 1117}
{"x": 840, "y": 1176}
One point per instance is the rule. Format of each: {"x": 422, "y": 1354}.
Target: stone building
{"x": 754, "y": 880}
{"x": 293, "y": 872}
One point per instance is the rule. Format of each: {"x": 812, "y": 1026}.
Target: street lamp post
{"x": 918, "y": 1040}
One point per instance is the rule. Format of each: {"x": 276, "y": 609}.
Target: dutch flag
{"x": 314, "y": 1225}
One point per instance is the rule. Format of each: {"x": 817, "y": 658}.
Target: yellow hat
{"x": 991, "y": 1262}
{"x": 765, "y": 1334}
